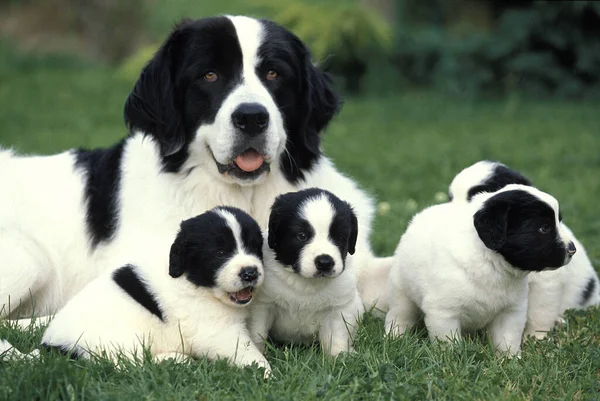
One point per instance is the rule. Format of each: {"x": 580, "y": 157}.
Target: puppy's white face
{"x": 311, "y": 232}
{"x": 220, "y": 250}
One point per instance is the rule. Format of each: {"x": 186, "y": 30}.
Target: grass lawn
{"x": 404, "y": 149}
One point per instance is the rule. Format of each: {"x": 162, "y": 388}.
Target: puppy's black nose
{"x": 324, "y": 263}
{"x": 251, "y": 118}
{"x": 571, "y": 249}
{"x": 249, "y": 274}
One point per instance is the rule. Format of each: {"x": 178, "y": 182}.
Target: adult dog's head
{"x": 235, "y": 95}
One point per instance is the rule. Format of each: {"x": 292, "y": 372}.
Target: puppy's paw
{"x": 175, "y": 356}
{"x": 537, "y": 334}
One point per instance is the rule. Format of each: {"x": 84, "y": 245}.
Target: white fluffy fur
{"x": 198, "y": 321}
{"x": 551, "y": 293}
{"x": 444, "y": 270}
{"x": 299, "y": 308}
{"x": 45, "y": 258}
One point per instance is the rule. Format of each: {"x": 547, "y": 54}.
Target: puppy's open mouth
{"x": 241, "y": 297}
{"x": 249, "y": 164}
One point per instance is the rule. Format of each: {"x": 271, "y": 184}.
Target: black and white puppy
{"x": 192, "y": 302}
{"x": 229, "y": 111}
{"x": 310, "y": 289}
{"x": 551, "y": 293}
{"x": 465, "y": 265}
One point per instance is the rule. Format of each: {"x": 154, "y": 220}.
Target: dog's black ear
{"x": 321, "y": 103}
{"x": 491, "y": 222}
{"x": 353, "y": 232}
{"x": 177, "y": 263}
{"x": 152, "y": 106}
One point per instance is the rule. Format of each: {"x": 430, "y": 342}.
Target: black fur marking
{"x": 171, "y": 99}
{"x": 102, "y": 169}
{"x": 129, "y": 281}
{"x": 588, "y": 291}
{"x": 205, "y": 244}
{"x": 72, "y": 353}
{"x": 303, "y": 93}
{"x": 501, "y": 176}
{"x": 509, "y": 223}
{"x": 285, "y": 226}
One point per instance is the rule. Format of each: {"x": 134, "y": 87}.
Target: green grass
{"x": 403, "y": 149}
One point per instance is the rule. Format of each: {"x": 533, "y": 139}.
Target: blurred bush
{"x": 346, "y": 36}
{"x": 541, "y": 47}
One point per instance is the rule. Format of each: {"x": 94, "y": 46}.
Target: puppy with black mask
{"x": 551, "y": 293}
{"x": 194, "y": 302}
{"x": 465, "y": 265}
{"x": 310, "y": 289}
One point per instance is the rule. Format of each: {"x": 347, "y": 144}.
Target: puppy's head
{"x": 483, "y": 176}
{"x": 221, "y": 250}
{"x": 233, "y": 94}
{"x": 311, "y": 232}
{"x": 522, "y": 224}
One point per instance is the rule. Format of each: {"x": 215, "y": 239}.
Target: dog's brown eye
{"x": 302, "y": 237}
{"x": 210, "y": 76}
{"x": 544, "y": 229}
{"x": 272, "y": 75}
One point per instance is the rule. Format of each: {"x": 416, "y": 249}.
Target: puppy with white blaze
{"x": 229, "y": 111}
{"x": 465, "y": 265}
{"x": 310, "y": 288}
{"x": 192, "y": 302}
{"x": 551, "y": 293}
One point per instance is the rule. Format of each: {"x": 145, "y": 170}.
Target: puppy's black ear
{"x": 152, "y": 106}
{"x": 321, "y": 103}
{"x": 491, "y": 223}
{"x": 274, "y": 223}
{"x": 176, "y": 257}
{"x": 353, "y": 231}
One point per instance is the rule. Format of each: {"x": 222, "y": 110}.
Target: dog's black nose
{"x": 249, "y": 274}
{"x": 324, "y": 263}
{"x": 571, "y": 249}
{"x": 251, "y": 118}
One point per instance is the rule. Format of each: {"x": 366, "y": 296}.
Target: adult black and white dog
{"x": 228, "y": 111}
{"x": 465, "y": 265}
{"x": 310, "y": 287}
{"x": 551, "y": 293}
{"x": 190, "y": 301}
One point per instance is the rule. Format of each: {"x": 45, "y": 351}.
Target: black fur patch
{"x": 510, "y": 223}
{"x": 129, "y": 281}
{"x": 303, "y": 93}
{"x": 289, "y": 233}
{"x": 102, "y": 169}
{"x": 171, "y": 99}
{"x": 501, "y": 176}
{"x": 588, "y": 291}
{"x": 72, "y": 353}
{"x": 205, "y": 244}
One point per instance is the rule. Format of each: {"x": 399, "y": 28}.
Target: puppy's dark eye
{"x": 302, "y": 237}
{"x": 221, "y": 253}
{"x": 211, "y": 76}
{"x": 545, "y": 229}
{"x": 272, "y": 75}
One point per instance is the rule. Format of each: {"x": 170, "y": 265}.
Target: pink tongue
{"x": 249, "y": 161}
{"x": 244, "y": 294}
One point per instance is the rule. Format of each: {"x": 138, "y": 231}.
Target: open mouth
{"x": 249, "y": 164}
{"x": 241, "y": 297}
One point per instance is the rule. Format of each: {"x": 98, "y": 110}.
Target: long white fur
{"x": 551, "y": 293}
{"x": 298, "y": 308}
{"x": 45, "y": 257}
{"x": 198, "y": 321}
{"x": 444, "y": 270}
